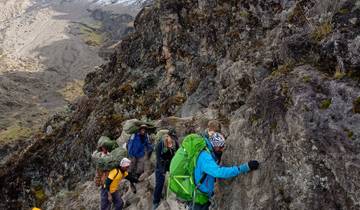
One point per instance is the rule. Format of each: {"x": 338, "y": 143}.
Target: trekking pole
{"x": 202, "y": 179}
{"x": 193, "y": 201}
{"x": 168, "y": 187}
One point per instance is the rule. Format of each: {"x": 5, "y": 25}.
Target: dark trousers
{"x": 137, "y": 166}
{"x": 116, "y": 199}
{"x": 206, "y": 206}
{"x": 159, "y": 184}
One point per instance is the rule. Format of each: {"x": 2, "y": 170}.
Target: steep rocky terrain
{"x": 281, "y": 76}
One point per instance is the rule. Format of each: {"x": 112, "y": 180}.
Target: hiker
{"x": 109, "y": 191}
{"x": 104, "y": 151}
{"x": 165, "y": 151}
{"x": 139, "y": 145}
{"x": 207, "y": 169}
{"x": 212, "y": 127}
{"x": 100, "y": 175}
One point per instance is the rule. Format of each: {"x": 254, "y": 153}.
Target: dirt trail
{"x": 42, "y": 63}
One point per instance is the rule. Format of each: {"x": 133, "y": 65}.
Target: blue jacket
{"x": 136, "y": 147}
{"x": 206, "y": 164}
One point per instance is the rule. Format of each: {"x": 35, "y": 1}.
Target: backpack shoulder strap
{"x": 117, "y": 172}
{"x": 177, "y": 146}
{"x": 130, "y": 140}
{"x": 203, "y": 177}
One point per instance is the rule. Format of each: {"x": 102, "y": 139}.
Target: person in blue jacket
{"x": 139, "y": 145}
{"x": 207, "y": 168}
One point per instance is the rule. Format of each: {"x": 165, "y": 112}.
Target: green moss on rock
{"x": 344, "y": 11}
{"x": 339, "y": 74}
{"x": 192, "y": 85}
{"x": 322, "y": 31}
{"x": 325, "y": 104}
{"x": 15, "y": 132}
{"x": 283, "y": 69}
{"x": 39, "y": 194}
{"x": 254, "y": 119}
{"x": 349, "y": 133}
{"x": 306, "y": 79}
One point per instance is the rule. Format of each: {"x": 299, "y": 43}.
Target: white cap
{"x": 125, "y": 162}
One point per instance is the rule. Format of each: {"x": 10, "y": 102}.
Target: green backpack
{"x": 181, "y": 180}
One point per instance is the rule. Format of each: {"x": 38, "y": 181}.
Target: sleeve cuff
{"x": 244, "y": 168}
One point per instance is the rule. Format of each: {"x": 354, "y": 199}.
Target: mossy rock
{"x": 356, "y": 106}
{"x": 339, "y": 75}
{"x": 322, "y": 31}
{"x": 39, "y": 194}
{"x": 192, "y": 85}
{"x": 325, "y": 104}
{"x": 344, "y": 11}
{"x": 172, "y": 102}
{"x": 72, "y": 90}
{"x": 283, "y": 69}
{"x": 297, "y": 16}
{"x": 117, "y": 119}
{"x": 126, "y": 88}
{"x": 91, "y": 35}
{"x": 307, "y": 79}
{"x": 15, "y": 132}
{"x": 244, "y": 14}
{"x": 254, "y": 119}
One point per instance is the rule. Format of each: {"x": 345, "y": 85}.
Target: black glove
{"x": 132, "y": 178}
{"x": 253, "y": 164}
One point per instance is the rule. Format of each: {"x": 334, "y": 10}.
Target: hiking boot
{"x": 155, "y": 206}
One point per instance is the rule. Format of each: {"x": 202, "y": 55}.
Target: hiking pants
{"x": 159, "y": 184}
{"x": 116, "y": 199}
{"x": 137, "y": 165}
{"x": 206, "y": 206}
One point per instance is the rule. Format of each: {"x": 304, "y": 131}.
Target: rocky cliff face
{"x": 281, "y": 76}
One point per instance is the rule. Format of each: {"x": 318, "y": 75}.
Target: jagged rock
{"x": 85, "y": 196}
{"x": 281, "y": 76}
{"x": 123, "y": 139}
{"x": 296, "y": 157}
{"x": 171, "y": 205}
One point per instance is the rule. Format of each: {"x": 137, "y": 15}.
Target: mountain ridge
{"x": 281, "y": 76}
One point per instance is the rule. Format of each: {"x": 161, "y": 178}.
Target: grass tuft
{"x": 325, "y": 104}
{"x": 15, "y": 132}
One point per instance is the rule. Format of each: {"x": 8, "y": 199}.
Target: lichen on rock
{"x": 256, "y": 67}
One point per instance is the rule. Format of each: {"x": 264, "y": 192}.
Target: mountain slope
{"x": 282, "y": 77}
{"x": 136, "y": 4}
